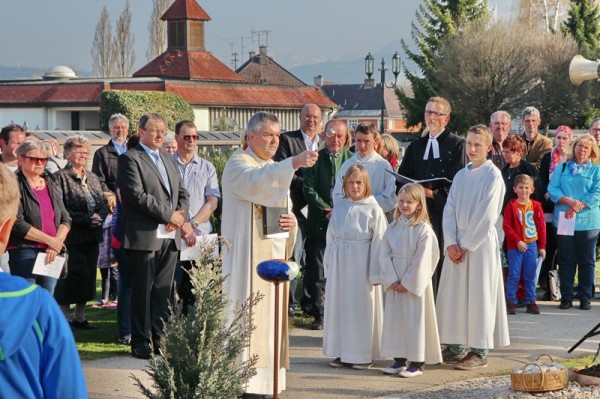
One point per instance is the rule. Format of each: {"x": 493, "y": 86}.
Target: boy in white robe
{"x": 383, "y": 184}
{"x": 470, "y": 307}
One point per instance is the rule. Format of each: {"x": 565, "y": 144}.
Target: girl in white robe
{"x": 353, "y": 299}
{"x": 408, "y": 259}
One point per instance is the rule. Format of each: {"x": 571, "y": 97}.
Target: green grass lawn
{"x": 100, "y": 343}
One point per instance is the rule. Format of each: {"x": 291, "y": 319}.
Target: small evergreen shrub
{"x": 199, "y": 351}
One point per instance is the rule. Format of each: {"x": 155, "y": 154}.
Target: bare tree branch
{"x": 103, "y": 57}
{"x": 123, "y": 43}
{"x": 157, "y": 29}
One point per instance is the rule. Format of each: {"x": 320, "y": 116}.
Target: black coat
{"x": 29, "y": 214}
{"x": 105, "y": 165}
{"x": 292, "y": 144}
{"x": 78, "y": 207}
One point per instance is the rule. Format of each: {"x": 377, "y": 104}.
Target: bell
{"x": 581, "y": 70}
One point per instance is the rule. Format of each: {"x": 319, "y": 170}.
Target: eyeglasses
{"x": 330, "y": 133}
{"x": 190, "y": 138}
{"x": 434, "y": 113}
{"x": 81, "y": 153}
{"x": 36, "y": 160}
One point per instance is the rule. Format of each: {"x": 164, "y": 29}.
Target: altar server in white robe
{"x": 353, "y": 298}
{"x": 251, "y": 179}
{"x": 470, "y": 302}
{"x": 408, "y": 259}
{"x": 383, "y": 184}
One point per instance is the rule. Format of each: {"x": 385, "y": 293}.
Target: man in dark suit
{"x": 105, "y": 162}
{"x": 437, "y": 153}
{"x": 154, "y": 200}
{"x": 291, "y": 144}
{"x": 319, "y": 181}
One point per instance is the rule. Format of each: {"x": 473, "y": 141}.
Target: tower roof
{"x": 185, "y": 10}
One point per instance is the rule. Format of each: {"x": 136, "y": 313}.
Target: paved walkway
{"x": 553, "y": 332}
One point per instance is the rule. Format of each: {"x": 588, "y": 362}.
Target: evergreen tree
{"x": 583, "y": 25}
{"x": 438, "y": 20}
{"x": 199, "y": 349}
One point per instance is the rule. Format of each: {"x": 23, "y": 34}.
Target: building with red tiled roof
{"x": 262, "y": 69}
{"x": 213, "y": 90}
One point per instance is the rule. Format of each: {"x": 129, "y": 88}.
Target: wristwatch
{"x": 195, "y": 224}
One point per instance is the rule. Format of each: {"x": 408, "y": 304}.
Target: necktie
{"x": 162, "y": 170}
{"x": 433, "y": 144}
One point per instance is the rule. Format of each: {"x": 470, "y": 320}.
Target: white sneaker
{"x": 394, "y": 369}
{"x": 411, "y": 372}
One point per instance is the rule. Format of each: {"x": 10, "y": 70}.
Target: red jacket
{"x": 513, "y": 229}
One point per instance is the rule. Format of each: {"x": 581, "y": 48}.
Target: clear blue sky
{"x": 47, "y": 33}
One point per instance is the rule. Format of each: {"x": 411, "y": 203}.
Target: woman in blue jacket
{"x": 575, "y": 190}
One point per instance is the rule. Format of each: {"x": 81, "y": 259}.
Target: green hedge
{"x": 134, "y": 104}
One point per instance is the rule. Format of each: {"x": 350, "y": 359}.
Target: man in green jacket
{"x": 319, "y": 181}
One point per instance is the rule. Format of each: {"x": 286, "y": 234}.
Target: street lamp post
{"x": 396, "y": 65}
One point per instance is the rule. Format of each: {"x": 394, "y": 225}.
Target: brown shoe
{"x": 532, "y": 308}
{"x": 450, "y": 357}
{"x": 471, "y": 362}
{"x": 511, "y": 308}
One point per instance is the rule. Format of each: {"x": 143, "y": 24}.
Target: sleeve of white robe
{"x": 328, "y": 247}
{"x": 266, "y": 185}
{"x": 387, "y": 198}
{"x": 379, "y": 225}
{"x": 485, "y": 215}
{"x": 386, "y": 264}
{"x": 449, "y": 226}
{"x": 418, "y": 275}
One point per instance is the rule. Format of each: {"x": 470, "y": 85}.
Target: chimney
{"x": 251, "y": 54}
{"x": 369, "y": 84}
{"x": 262, "y": 51}
{"x": 319, "y": 81}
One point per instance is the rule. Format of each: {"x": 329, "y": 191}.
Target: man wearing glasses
{"x": 154, "y": 202}
{"x": 319, "y": 181}
{"x": 595, "y": 129}
{"x": 437, "y": 153}
{"x": 200, "y": 180}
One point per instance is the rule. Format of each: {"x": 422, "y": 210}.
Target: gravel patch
{"x": 496, "y": 388}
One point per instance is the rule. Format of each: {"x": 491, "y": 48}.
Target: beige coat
{"x": 249, "y": 181}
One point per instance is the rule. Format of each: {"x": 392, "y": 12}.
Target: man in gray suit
{"x": 154, "y": 200}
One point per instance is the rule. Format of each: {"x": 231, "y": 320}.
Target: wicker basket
{"x": 540, "y": 382}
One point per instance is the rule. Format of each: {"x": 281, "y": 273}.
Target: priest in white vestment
{"x": 470, "y": 306}
{"x": 251, "y": 179}
{"x": 383, "y": 184}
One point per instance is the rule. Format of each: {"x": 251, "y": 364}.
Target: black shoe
{"x": 82, "y": 325}
{"x": 125, "y": 341}
{"x": 317, "y": 324}
{"x": 564, "y": 304}
{"x": 142, "y": 352}
{"x": 546, "y": 296}
{"x": 585, "y": 305}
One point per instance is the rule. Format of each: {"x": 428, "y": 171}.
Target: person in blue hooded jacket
{"x": 38, "y": 358}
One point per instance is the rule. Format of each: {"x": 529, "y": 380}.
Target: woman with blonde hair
{"x": 575, "y": 190}
{"x": 390, "y": 150}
